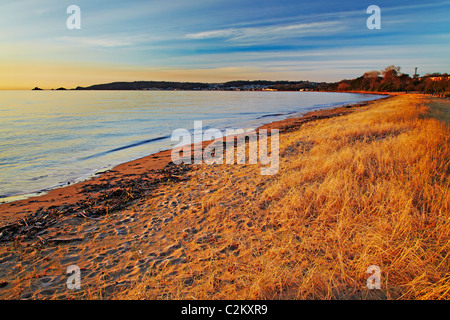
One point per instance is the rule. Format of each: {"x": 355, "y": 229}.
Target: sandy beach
{"x": 355, "y": 188}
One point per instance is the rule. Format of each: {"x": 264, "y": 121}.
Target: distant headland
{"x": 231, "y": 85}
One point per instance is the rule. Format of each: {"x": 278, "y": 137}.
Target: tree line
{"x": 392, "y": 80}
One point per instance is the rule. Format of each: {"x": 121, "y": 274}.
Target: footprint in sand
{"x": 49, "y": 281}
{"x": 71, "y": 259}
{"x": 122, "y": 231}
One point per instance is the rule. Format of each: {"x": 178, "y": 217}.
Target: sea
{"x": 52, "y": 138}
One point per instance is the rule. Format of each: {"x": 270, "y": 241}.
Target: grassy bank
{"x": 369, "y": 188}
{"x": 366, "y": 185}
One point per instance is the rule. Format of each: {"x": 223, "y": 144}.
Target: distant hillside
{"x": 231, "y": 85}
{"x": 146, "y": 85}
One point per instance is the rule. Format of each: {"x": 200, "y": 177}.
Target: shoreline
{"x": 226, "y": 231}
{"x": 148, "y": 170}
{"x": 24, "y": 191}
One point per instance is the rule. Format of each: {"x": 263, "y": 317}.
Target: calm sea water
{"x": 49, "y": 138}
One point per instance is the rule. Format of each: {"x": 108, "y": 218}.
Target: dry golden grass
{"x": 369, "y": 188}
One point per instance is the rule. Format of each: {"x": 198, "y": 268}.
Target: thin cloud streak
{"x": 268, "y": 33}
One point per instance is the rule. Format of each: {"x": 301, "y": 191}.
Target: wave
{"x": 134, "y": 144}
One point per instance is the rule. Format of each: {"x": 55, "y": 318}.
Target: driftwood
{"x": 101, "y": 199}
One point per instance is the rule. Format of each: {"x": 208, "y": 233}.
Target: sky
{"x": 216, "y": 41}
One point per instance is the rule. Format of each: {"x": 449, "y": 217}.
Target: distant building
{"x": 439, "y": 78}
{"x": 435, "y": 78}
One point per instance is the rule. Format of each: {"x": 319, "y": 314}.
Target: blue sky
{"x": 211, "y": 41}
